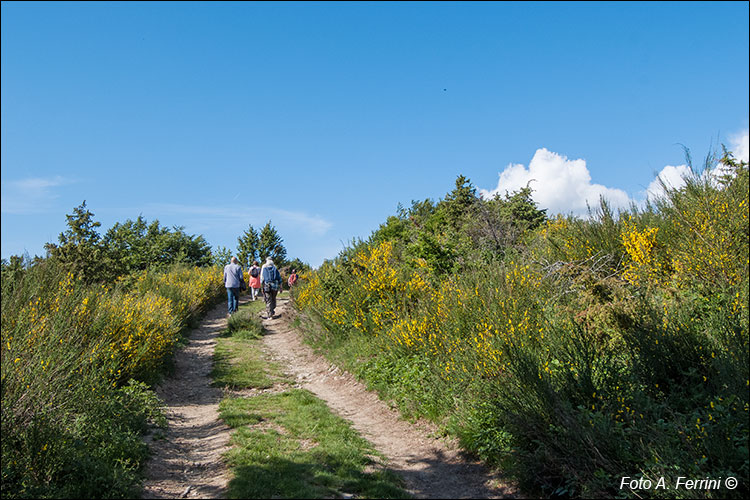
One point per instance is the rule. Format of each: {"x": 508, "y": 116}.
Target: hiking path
{"x": 186, "y": 458}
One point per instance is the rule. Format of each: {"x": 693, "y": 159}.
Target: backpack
{"x": 255, "y": 272}
{"x": 271, "y": 277}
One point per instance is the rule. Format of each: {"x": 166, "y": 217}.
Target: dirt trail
{"x": 186, "y": 459}
{"x": 431, "y": 467}
{"x": 187, "y": 463}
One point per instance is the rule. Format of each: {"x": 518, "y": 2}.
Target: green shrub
{"x": 575, "y": 353}
{"x": 72, "y": 414}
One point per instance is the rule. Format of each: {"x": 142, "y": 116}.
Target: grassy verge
{"x": 238, "y": 362}
{"x": 287, "y": 443}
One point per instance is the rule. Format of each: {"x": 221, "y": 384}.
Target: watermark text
{"x": 680, "y": 483}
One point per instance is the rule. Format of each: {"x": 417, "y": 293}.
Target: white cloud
{"x": 739, "y": 145}
{"x": 559, "y": 185}
{"x": 31, "y": 195}
{"x": 564, "y": 186}
{"x": 670, "y": 176}
{"x": 242, "y": 216}
{"x": 313, "y": 224}
{"x": 674, "y": 177}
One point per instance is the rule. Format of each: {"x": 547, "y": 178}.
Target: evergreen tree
{"x": 501, "y": 222}
{"x": 271, "y": 245}
{"x": 220, "y": 256}
{"x": 522, "y": 210}
{"x": 190, "y": 249}
{"x": 79, "y": 246}
{"x": 459, "y": 203}
{"x": 136, "y": 245}
{"x": 12, "y": 272}
{"x": 297, "y": 265}
{"x": 248, "y": 246}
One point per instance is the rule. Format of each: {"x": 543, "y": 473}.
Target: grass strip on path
{"x": 287, "y": 443}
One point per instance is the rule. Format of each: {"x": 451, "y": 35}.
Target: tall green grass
{"x": 596, "y": 349}
{"x": 76, "y": 363}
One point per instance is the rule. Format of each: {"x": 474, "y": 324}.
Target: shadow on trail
{"x": 183, "y": 455}
{"x": 319, "y": 475}
{"x": 427, "y": 470}
{"x": 326, "y": 477}
{"x": 453, "y": 480}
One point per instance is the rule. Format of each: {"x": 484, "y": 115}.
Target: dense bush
{"x": 76, "y": 358}
{"x": 126, "y": 248}
{"x": 86, "y": 332}
{"x": 572, "y": 351}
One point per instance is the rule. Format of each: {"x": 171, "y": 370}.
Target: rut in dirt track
{"x": 431, "y": 467}
{"x": 186, "y": 460}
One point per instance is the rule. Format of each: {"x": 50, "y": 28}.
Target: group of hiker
{"x": 265, "y": 281}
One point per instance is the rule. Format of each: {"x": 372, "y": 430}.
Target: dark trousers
{"x": 270, "y": 297}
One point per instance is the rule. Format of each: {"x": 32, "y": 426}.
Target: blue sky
{"x": 323, "y": 117}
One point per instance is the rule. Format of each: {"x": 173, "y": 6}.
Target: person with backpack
{"x": 254, "y": 280}
{"x": 270, "y": 280}
{"x": 292, "y": 279}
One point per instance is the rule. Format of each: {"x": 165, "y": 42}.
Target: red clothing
{"x": 254, "y": 280}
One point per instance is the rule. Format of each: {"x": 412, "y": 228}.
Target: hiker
{"x": 254, "y": 280}
{"x": 233, "y": 282}
{"x": 270, "y": 280}
{"x": 292, "y": 279}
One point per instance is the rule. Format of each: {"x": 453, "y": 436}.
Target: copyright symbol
{"x": 731, "y": 482}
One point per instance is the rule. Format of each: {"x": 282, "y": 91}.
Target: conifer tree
{"x": 79, "y": 246}
{"x": 459, "y": 202}
{"x": 220, "y": 256}
{"x": 271, "y": 245}
{"x": 248, "y": 246}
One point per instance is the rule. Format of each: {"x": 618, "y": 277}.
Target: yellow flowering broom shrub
{"x": 612, "y": 345}
{"x": 71, "y": 353}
